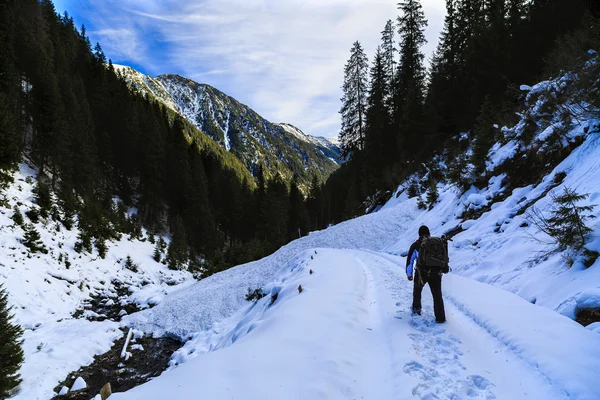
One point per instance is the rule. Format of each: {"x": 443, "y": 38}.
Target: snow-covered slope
{"x": 49, "y": 292}
{"x": 335, "y": 321}
{"x": 328, "y": 146}
{"x": 348, "y": 335}
{"x": 239, "y": 129}
{"x": 510, "y": 332}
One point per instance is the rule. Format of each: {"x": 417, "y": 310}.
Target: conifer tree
{"x": 10, "y": 91}
{"x": 17, "y": 217}
{"x": 483, "y": 135}
{"x": 432, "y": 193}
{"x": 378, "y": 122}
{"x": 156, "y": 256}
{"x": 32, "y": 240}
{"x": 410, "y": 78}
{"x": 410, "y": 83}
{"x": 130, "y": 265}
{"x": 388, "y": 50}
{"x": 440, "y": 104}
{"x": 11, "y": 354}
{"x": 298, "y": 215}
{"x": 178, "y": 251}
{"x": 567, "y": 224}
{"x": 354, "y": 101}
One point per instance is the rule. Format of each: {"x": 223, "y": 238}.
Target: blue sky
{"x": 283, "y": 58}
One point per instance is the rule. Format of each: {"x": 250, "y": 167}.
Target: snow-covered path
{"x": 454, "y": 360}
{"x": 349, "y": 335}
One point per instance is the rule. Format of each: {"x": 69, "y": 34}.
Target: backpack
{"x": 433, "y": 254}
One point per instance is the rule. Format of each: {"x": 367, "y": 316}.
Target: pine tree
{"x": 17, "y": 217}
{"x": 388, "y": 50}
{"x": 440, "y": 105}
{"x": 32, "y": 240}
{"x": 432, "y": 193}
{"x": 11, "y": 354}
{"x": 298, "y": 215}
{"x": 378, "y": 124}
{"x": 178, "y": 251}
{"x": 43, "y": 198}
{"x": 10, "y": 91}
{"x": 354, "y": 101}
{"x": 567, "y": 224}
{"x": 410, "y": 79}
{"x": 130, "y": 265}
{"x": 484, "y": 136}
{"x": 157, "y": 253}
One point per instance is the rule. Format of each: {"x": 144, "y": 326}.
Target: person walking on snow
{"x": 425, "y": 274}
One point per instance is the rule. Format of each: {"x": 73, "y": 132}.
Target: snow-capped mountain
{"x": 238, "y": 128}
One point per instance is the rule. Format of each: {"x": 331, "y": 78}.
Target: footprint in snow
{"x": 440, "y": 371}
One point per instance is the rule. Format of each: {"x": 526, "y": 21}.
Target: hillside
{"x": 137, "y": 249}
{"x": 496, "y": 344}
{"x": 510, "y": 330}
{"x": 488, "y": 348}
{"x": 239, "y": 129}
{"x": 70, "y": 302}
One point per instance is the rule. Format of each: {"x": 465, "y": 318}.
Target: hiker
{"x": 425, "y": 251}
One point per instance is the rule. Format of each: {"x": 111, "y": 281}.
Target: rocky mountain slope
{"x": 239, "y": 129}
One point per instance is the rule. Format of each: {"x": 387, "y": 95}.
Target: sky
{"x": 282, "y": 58}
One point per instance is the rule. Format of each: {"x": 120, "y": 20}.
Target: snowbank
{"x": 565, "y": 353}
{"x": 45, "y": 291}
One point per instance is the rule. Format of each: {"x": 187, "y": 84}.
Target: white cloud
{"x": 283, "y": 58}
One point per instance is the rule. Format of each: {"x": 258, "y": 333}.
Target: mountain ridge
{"x": 281, "y": 147}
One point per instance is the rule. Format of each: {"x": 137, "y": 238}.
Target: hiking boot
{"x": 416, "y": 311}
{"x": 440, "y": 322}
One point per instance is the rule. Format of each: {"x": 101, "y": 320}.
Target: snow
{"x": 510, "y": 304}
{"x": 495, "y": 345}
{"x": 45, "y": 293}
{"x": 196, "y": 308}
{"x": 63, "y": 391}
{"x": 499, "y": 154}
{"x": 595, "y": 327}
{"x": 79, "y": 384}
{"x": 510, "y": 331}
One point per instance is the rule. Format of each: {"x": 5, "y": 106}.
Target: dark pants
{"x": 435, "y": 284}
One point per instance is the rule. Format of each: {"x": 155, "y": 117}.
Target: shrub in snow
{"x": 101, "y": 247}
{"x": 432, "y": 194}
{"x": 68, "y": 219}
{"x": 17, "y": 217}
{"x": 413, "y": 189}
{"x": 559, "y": 177}
{"x": 11, "y": 354}
{"x": 484, "y": 133}
{"x": 84, "y": 242}
{"x": 33, "y": 215}
{"x": 460, "y": 171}
{"x": 130, "y": 265}
{"x": 590, "y": 257}
{"x": 43, "y": 198}
{"x": 567, "y": 222}
{"x": 255, "y": 295}
{"x": 32, "y": 240}
{"x": 157, "y": 253}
